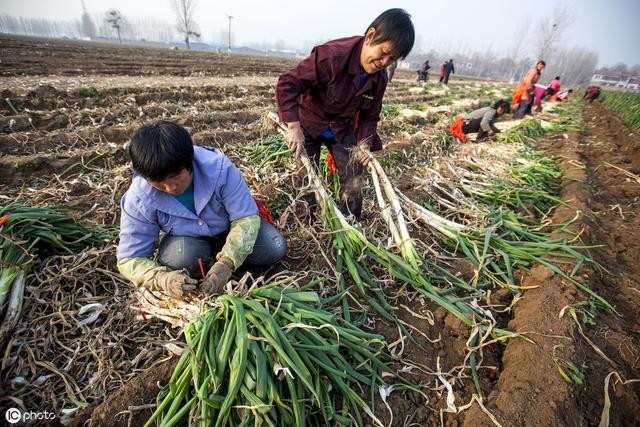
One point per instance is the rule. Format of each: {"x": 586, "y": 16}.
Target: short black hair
{"x": 395, "y": 26}
{"x": 160, "y": 150}
{"x": 506, "y": 106}
{"x": 557, "y": 78}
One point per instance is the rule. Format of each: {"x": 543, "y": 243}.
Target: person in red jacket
{"x": 334, "y": 98}
{"x": 592, "y": 93}
{"x": 442, "y": 67}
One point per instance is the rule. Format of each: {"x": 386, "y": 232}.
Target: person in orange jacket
{"x": 523, "y": 96}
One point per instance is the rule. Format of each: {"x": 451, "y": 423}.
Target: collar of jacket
{"x": 207, "y": 169}
{"x": 356, "y": 69}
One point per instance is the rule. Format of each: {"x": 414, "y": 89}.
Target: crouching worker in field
{"x": 334, "y": 98}
{"x": 199, "y": 199}
{"x": 563, "y": 95}
{"x": 480, "y": 121}
{"x": 592, "y": 93}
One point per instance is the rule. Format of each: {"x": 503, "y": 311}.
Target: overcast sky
{"x": 611, "y": 27}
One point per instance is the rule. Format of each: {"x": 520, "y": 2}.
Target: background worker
{"x": 442, "y": 68}
{"x": 423, "y": 72}
{"x": 523, "y": 96}
{"x": 480, "y": 121}
{"x": 448, "y": 69}
{"x": 391, "y": 70}
{"x": 592, "y": 93}
{"x": 563, "y": 95}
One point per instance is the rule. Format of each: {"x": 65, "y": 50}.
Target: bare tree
{"x": 115, "y": 19}
{"x": 185, "y": 23}
{"x": 516, "y": 50}
{"x": 88, "y": 27}
{"x": 551, "y": 28}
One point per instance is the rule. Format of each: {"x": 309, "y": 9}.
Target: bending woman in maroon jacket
{"x": 334, "y": 97}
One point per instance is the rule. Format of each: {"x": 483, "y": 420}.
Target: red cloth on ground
{"x": 456, "y": 129}
{"x": 264, "y": 212}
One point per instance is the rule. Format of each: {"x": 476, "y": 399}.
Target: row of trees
{"x": 575, "y": 65}
{"x": 531, "y": 41}
{"x": 111, "y": 23}
{"x": 620, "y": 70}
{"x": 135, "y": 28}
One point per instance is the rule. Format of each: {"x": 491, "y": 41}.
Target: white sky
{"x": 612, "y": 28}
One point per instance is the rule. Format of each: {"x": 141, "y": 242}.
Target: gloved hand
{"x": 362, "y": 154}
{"x": 295, "y": 138}
{"x": 175, "y": 283}
{"x": 217, "y": 277}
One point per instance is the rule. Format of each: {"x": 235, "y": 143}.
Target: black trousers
{"x": 350, "y": 172}
{"x": 524, "y": 107}
{"x": 474, "y": 126}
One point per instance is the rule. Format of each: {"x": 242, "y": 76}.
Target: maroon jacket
{"x": 323, "y": 92}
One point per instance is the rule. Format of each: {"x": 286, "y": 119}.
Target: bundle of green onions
{"x": 508, "y": 243}
{"x": 352, "y": 247}
{"x": 523, "y": 132}
{"x": 264, "y": 152}
{"x": 26, "y": 232}
{"x": 274, "y": 357}
{"x": 530, "y": 185}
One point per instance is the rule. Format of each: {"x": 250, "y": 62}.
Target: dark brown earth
{"x": 530, "y": 392}
{"x": 34, "y": 56}
{"x": 72, "y": 122}
{"x": 127, "y": 406}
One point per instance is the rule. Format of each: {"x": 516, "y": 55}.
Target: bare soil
{"x": 79, "y": 100}
{"x": 530, "y": 392}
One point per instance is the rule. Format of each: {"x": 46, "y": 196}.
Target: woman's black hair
{"x": 160, "y": 150}
{"x": 506, "y": 106}
{"x": 541, "y": 61}
{"x": 394, "y": 26}
{"x": 557, "y": 78}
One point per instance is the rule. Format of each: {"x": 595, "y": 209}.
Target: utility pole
{"x": 229, "y": 46}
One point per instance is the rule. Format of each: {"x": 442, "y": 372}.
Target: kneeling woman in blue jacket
{"x": 199, "y": 199}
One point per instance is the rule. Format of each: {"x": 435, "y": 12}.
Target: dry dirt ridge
{"x": 529, "y": 391}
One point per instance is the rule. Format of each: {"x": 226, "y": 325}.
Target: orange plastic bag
{"x": 456, "y": 129}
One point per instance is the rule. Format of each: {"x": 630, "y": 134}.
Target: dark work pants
{"x": 178, "y": 252}
{"x": 523, "y": 108}
{"x": 349, "y": 172}
{"x": 446, "y": 77}
{"x": 474, "y": 126}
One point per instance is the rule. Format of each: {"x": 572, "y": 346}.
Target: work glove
{"x": 175, "y": 283}
{"x": 295, "y": 138}
{"x": 362, "y": 154}
{"x": 217, "y": 277}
